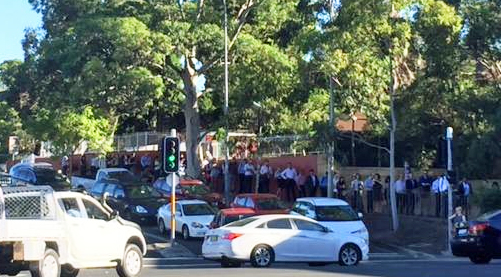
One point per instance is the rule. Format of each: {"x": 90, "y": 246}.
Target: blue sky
{"x": 15, "y": 16}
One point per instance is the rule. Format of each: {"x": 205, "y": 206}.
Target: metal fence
{"x": 29, "y": 203}
{"x": 137, "y": 141}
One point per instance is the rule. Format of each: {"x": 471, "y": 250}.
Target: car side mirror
{"x": 360, "y": 215}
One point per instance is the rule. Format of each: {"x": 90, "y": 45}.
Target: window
{"x": 100, "y": 176}
{"x": 240, "y": 201}
{"x": 250, "y": 203}
{"x": 336, "y": 213}
{"x": 70, "y": 206}
{"x": 110, "y": 188}
{"x": 197, "y": 209}
{"x": 94, "y": 211}
{"x": 119, "y": 193}
{"x": 304, "y": 225}
{"x": 232, "y": 218}
{"x": 97, "y": 189}
{"x": 269, "y": 204}
{"x": 141, "y": 192}
{"x": 279, "y": 224}
{"x": 242, "y": 222}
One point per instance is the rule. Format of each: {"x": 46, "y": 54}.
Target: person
{"x": 83, "y": 165}
{"x": 464, "y": 191}
{"x": 301, "y": 183}
{"x": 145, "y": 162}
{"x": 439, "y": 187}
{"x": 410, "y": 184}
{"x": 400, "y": 191}
{"x": 425, "y": 182}
{"x": 289, "y": 174}
{"x": 248, "y": 174}
{"x": 215, "y": 173}
{"x": 265, "y": 173}
{"x": 94, "y": 165}
{"x": 312, "y": 183}
{"x": 335, "y": 181}
{"x": 378, "y": 192}
{"x": 64, "y": 165}
{"x": 357, "y": 187}
{"x": 457, "y": 219}
{"x": 241, "y": 175}
{"x": 341, "y": 188}
{"x": 233, "y": 171}
{"x": 280, "y": 182}
{"x": 369, "y": 183}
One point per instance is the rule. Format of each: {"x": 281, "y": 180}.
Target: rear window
{"x": 269, "y": 204}
{"x": 242, "y": 222}
{"x": 336, "y": 213}
{"x": 233, "y": 218}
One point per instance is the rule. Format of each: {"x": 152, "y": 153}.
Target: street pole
{"x": 226, "y": 88}
{"x": 448, "y": 136}
{"x": 330, "y": 147}
{"x": 173, "y": 179}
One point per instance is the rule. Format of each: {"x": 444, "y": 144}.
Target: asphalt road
{"x": 388, "y": 268}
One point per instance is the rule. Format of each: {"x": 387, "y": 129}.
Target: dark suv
{"x": 37, "y": 174}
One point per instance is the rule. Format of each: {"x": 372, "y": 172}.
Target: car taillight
{"x": 478, "y": 229}
{"x": 231, "y": 236}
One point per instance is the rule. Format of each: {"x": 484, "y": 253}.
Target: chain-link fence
{"x": 136, "y": 141}
{"x": 29, "y": 203}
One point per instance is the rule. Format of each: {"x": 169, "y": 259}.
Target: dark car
{"x": 190, "y": 189}
{"x": 37, "y": 174}
{"x": 133, "y": 201}
{"x": 480, "y": 240}
{"x": 226, "y": 216}
{"x": 263, "y": 203}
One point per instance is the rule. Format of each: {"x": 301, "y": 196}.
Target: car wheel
{"x": 349, "y": 255}
{"x": 262, "y": 256}
{"x": 185, "y": 232}
{"x": 480, "y": 259}
{"x": 132, "y": 262}
{"x": 161, "y": 227}
{"x": 48, "y": 266}
{"x": 69, "y": 271}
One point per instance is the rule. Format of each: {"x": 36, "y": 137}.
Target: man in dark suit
{"x": 312, "y": 183}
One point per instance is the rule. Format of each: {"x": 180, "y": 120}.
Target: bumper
{"x": 221, "y": 250}
{"x": 198, "y": 232}
{"x": 468, "y": 246}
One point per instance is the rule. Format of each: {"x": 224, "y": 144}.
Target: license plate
{"x": 462, "y": 232}
{"x": 213, "y": 238}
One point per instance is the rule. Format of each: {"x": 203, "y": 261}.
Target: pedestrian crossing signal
{"x": 171, "y": 154}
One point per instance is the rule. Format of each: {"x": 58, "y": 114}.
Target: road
{"x": 381, "y": 268}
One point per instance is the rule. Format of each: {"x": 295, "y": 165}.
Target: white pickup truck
{"x": 55, "y": 234}
{"x": 82, "y": 183}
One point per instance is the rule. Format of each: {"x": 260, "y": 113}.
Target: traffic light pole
{"x": 171, "y": 165}
{"x": 173, "y": 177}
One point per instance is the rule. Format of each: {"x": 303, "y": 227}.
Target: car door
{"x": 282, "y": 237}
{"x": 314, "y": 242}
{"x": 76, "y": 229}
{"x": 101, "y": 232}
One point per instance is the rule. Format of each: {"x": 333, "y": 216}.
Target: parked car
{"x": 480, "y": 239}
{"x": 119, "y": 174}
{"x": 193, "y": 218}
{"x": 190, "y": 189}
{"x": 332, "y": 213}
{"x": 265, "y": 239}
{"x": 263, "y": 203}
{"x": 37, "y": 174}
{"x": 136, "y": 202}
{"x": 226, "y": 216}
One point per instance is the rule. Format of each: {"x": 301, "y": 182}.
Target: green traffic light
{"x": 172, "y": 158}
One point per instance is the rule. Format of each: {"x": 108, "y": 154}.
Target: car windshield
{"x": 233, "y": 218}
{"x": 269, "y": 204}
{"x": 196, "y": 189}
{"x": 336, "y": 213}
{"x": 197, "y": 209}
{"x": 489, "y": 215}
{"x": 122, "y": 176}
{"x": 45, "y": 175}
{"x": 140, "y": 192}
{"x": 242, "y": 222}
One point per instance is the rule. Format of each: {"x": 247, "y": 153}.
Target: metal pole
{"x": 393, "y": 126}
{"x": 226, "y": 88}
{"x": 448, "y": 136}
{"x": 330, "y": 152}
{"x": 173, "y": 179}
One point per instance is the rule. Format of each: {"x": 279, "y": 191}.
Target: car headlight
{"x": 197, "y": 225}
{"x": 360, "y": 231}
{"x": 141, "y": 210}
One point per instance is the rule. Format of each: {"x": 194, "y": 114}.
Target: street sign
{"x": 171, "y": 154}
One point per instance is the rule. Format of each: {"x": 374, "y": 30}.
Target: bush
{"x": 488, "y": 199}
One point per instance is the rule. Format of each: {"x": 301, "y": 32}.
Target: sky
{"x": 15, "y": 17}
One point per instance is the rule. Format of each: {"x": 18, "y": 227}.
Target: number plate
{"x": 213, "y": 238}
{"x": 462, "y": 232}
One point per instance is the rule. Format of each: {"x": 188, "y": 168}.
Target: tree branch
{"x": 359, "y": 138}
{"x": 200, "y": 9}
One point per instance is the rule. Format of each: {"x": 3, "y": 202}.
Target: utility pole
{"x": 448, "y": 137}
{"x": 330, "y": 147}
{"x": 227, "y": 123}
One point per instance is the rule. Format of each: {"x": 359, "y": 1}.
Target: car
{"x": 190, "y": 189}
{"x": 332, "y": 213}
{"x": 262, "y": 203}
{"x": 193, "y": 218}
{"x": 480, "y": 239}
{"x": 226, "y": 216}
{"x": 134, "y": 201}
{"x": 37, "y": 174}
{"x": 265, "y": 239}
{"x": 123, "y": 175}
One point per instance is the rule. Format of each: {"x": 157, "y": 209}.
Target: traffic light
{"x": 171, "y": 154}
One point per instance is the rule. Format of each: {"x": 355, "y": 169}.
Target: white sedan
{"x": 193, "y": 218}
{"x": 281, "y": 238}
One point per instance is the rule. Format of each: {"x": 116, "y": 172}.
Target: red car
{"x": 263, "y": 203}
{"x": 226, "y": 216}
{"x": 190, "y": 189}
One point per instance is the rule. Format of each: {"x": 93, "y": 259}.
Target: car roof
{"x": 190, "y": 201}
{"x": 114, "y": 169}
{"x": 257, "y": 195}
{"x": 323, "y": 201}
{"x": 238, "y": 211}
{"x": 32, "y": 165}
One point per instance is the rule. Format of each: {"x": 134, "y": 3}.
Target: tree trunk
{"x": 192, "y": 120}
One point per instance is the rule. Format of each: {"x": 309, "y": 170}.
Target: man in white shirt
{"x": 241, "y": 175}
{"x": 249, "y": 172}
{"x": 400, "y": 191}
{"x": 265, "y": 174}
{"x": 289, "y": 175}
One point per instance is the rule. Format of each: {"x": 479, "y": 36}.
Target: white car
{"x": 265, "y": 239}
{"x": 332, "y": 213}
{"x": 193, "y": 218}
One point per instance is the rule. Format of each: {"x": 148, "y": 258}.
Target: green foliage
{"x": 489, "y": 199}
